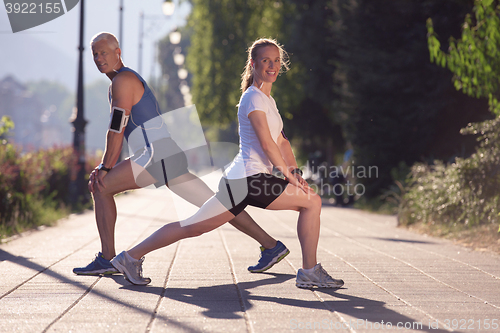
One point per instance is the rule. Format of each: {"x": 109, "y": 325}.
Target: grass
{"x": 377, "y": 206}
{"x": 483, "y": 237}
{"x": 478, "y": 237}
{"x": 43, "y": 213}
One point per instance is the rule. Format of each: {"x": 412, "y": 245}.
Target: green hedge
{"x": 34, "y": 186}
{"x": 464, "y": 192}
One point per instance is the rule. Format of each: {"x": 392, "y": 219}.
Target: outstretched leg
{"x": 195, "y": 191}
{"x": 130, "y": 262}
{"x": 196, "y": 225}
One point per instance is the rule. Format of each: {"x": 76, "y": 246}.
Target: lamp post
{"x": 168, "y": 8}
{"x": 120, "y": 29}
{"x": 124, "y": 152}
{"x": 78, "y": 187}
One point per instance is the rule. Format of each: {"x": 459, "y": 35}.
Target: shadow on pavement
{"x": 215, "y": 301}
{"x": 220, "y": 301}
{"x": 369, "y": 313}
{"x": 403, "y": 240}
{"x": 39, "y": 269}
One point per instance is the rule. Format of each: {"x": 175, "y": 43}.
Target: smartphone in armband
{"x": 118, "y": 120}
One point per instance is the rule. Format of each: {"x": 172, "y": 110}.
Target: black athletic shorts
{"x": 258, "y": 190}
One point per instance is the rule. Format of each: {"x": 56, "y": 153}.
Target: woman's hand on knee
{"x": 305, "y": 184}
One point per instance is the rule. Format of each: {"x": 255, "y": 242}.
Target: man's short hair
{"x": 107, "y": 36}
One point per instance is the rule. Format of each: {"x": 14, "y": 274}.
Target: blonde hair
{"x": 107, "y": 36}
{"x": 247, "y": 75}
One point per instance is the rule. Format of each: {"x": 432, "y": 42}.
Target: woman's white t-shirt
{"x": 251, "y": 159}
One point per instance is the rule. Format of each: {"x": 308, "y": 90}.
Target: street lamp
{"x": 168, "y": 8}
{"x": 175, "y": 37}
{"x": 178, "y": 56}
{"x": 179, "y": 59}
{"x": 77, "y": 187}
{"x": 120, "y": 28}
{"x": 182, "y": 73}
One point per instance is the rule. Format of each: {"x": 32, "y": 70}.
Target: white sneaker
{"x": 131, "y": 268}
{"x": 318, "y": 278}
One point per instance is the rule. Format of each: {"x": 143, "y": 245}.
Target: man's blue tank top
{"x": 146, "y": 113}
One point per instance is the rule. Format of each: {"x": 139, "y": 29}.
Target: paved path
{"x": 202, "y": 285}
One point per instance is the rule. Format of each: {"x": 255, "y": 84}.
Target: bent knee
{"x": 313, "y": 201}
{"x": 98, "y": 195}
{"x": 318, "y": 202}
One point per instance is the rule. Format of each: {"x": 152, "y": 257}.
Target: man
{"x": 134, "y": 109}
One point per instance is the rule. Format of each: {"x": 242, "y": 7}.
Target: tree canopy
{"x": 474, "y": 58}
{"x": 360, "y": 74}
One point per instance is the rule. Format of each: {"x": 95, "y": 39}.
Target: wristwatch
{"x": 102, "y": 167}
{"x": 298, "y": 171}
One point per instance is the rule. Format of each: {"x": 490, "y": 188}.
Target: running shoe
{"x": 131, "y": 268}
{"x": 269, "y": 257}
{"x": 318, "y": 278}
{"x": 98, "y": 266}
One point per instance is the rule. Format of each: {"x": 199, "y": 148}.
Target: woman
{"x": 248, "y": 180}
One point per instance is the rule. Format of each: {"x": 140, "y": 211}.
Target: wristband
{"x": 297, "y": 171}
{"x": 102, "y": 167}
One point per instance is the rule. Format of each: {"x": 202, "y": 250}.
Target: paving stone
{"x": 390, "y": 275}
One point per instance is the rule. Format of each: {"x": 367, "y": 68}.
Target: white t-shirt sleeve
{"x": 252, "y": 102}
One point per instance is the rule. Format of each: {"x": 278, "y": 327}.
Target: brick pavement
{"x": 202, "y": 285}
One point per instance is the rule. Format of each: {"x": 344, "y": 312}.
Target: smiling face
{"x": 267, "y": 64}
{"x": 105, "y": 57}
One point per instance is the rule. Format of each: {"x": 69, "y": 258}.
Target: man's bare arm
{"x": 126, "y": 89}
{"x": 123, "y": 91}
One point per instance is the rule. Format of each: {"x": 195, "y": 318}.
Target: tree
{"x": 360, "y": 73}
{"x": 6, "y": 124}
{"x": 223, "y": 30}
{"x": 395, "y": 105}
{"x": 465, "y": 191}
{"x": 307, "y": 93}
{"x": 474, "y": 59}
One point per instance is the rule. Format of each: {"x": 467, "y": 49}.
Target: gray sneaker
{"x": 318, "y": 278}
{"x": 131, "y": 268}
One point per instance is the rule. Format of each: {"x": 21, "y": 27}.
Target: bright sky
{"x": 101, "y": 15}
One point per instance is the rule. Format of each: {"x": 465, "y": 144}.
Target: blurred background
{"x": 362, "y": 90}
{"x": 42, "y": 62}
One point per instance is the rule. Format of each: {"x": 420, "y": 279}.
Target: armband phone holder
{"x": 118, "y": 120}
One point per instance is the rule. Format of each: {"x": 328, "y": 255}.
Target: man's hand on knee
{"x": 96, "y": 180}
